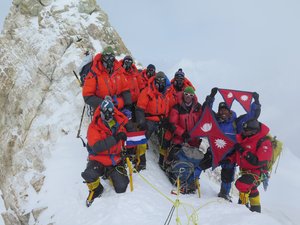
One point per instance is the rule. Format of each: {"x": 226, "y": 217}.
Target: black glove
{"x": 206, "y": 162}
{"x": 120, "y": 136}
{"x": 237, "y": 147}
{"x": 186, "y": 135}
{"x": 213, "y": 92}
{"x": 209, "y": 100}
{"x": 251, "y": 158}
{"x": 255, "y": 96}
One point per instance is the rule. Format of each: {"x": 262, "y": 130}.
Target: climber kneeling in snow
{"x": 106, "y": 135}
{"x": 252, "y": 158}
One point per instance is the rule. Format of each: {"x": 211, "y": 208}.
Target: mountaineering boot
{"x": 95, "y": 191}
{"x": 255, "y": 204}
{"x": 224, "y": 191}
{"x": 244, "y": 199}
{"x": 140, "y": 163}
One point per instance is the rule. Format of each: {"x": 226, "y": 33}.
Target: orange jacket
{"x": 172, "y": 92}
{"x": 100, "y": 84}
{"x": 100, "y": 134}
{"x": 144, "y": 79}
{"x": 135, "y": 82}
{"x": 153, "y": 103}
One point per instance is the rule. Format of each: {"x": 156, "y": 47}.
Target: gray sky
{"x": 246, "y": 45}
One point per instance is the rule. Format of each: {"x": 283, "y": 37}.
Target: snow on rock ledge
{"x": 42, "y": 42}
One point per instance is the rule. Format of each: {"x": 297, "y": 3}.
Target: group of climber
{"x": 125, "y": 99}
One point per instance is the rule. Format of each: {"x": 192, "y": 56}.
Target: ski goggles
{"x": 128, "y": 61}
{"x": 160, "y": 80}
{"x": 108, "y": 57}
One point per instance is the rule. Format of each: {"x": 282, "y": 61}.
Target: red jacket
{"x": 185, "y": 120}
{"x": 172, "y": 92}
{"x": 101, "y": 135}
{"x": 263, "y": 152}
{"x": 100, "y": 83}
{"x": 153, "y": 103}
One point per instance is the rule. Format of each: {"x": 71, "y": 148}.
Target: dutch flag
{"x": 135, "y": 138}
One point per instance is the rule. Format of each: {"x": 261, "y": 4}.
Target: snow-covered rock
{"x": 41, "y": 44}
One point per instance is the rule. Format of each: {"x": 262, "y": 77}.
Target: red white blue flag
{"x": 208, "y": 127}
{"x": 135, "y": 138}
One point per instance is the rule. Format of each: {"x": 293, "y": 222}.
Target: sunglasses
{"x": 188, "y": 94}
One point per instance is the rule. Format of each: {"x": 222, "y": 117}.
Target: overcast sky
{"x": 246, "y": 45}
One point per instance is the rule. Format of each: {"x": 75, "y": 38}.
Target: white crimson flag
{"x": 208, "y": 127}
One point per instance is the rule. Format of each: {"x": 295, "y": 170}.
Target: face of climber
{"x": 107, "y": 110}
{"x": 127, "y": 63}
{"x": 188, "y": 97}
{"x": 150, "y": 72}
{"x": 108, "y": 60}
{"x": 224, "y": 113}
{"x": 178, "y": 83}
{"x": 160, "y": 83}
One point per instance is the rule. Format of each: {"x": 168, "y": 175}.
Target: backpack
{"x": 276, "y": 150}
{"x": 85, "y": 67}
{"x": 185, "y": 159}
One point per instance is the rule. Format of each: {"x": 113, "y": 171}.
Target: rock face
{"x": 42, "y": 42}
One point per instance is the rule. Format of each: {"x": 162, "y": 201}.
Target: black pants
{"x": 117, "y": 174}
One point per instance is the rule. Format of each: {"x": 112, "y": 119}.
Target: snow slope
{"x": 65, "y": 194}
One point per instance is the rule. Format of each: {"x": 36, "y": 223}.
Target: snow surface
{"x": 65, "y": 193}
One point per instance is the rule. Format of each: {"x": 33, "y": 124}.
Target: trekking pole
{"x": 79, "y": 129}
{"x": 78, "y": 133}
{"x": 77, "y": 78}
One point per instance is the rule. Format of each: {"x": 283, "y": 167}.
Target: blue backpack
{"x": 182, "y": 166}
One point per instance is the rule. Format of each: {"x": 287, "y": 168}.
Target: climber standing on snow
{"x": 230, "y": 126}
{"x": 152, "y": 108}
{"x": 105, "y": 78}
{"x": 252, "y": 153}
